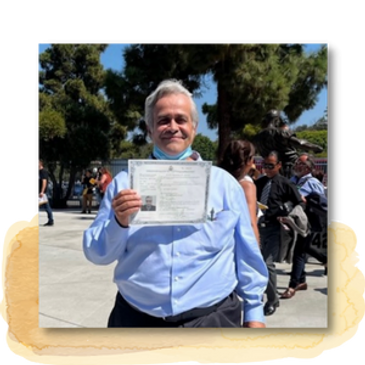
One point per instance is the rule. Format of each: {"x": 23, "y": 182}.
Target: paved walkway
{"x": 76, "y": 293}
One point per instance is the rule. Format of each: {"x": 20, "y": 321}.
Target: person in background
{"x": 254, "y": 173}
{"x": 306, "y": 184}
{"x": 180, "y": 275}
{"x": 43, "y": 184}
{"x": 97, "y": 177}
{"x": 275, "y": 191}
{"x": 105, "y": 180}
{"x": 88, "y": 183}
{"x": 319, "y": 174}
{"x": 238, "y": 161}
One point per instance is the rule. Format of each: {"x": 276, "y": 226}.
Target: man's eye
{"x": 163, "y": 121}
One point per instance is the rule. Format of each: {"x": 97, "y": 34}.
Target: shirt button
{"x": 177, "y": 254}
{"x": 176, "y": 278}
{"x": 175, "y": 301}
{"x": 178, "y": 229}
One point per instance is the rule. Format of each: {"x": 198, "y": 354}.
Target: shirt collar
{"x": 304, "y": 178}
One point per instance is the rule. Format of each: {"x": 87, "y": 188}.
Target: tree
{"x": 206, "y": 148}
{"x": 74, "y": 116}
{"x": 250, "y": 79}
{"x": 145, "y": 67}
{"x": 38, "y": 74}
{"x": 316, "y": 137}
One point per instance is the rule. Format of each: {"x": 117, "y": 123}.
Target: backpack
{"x": 316, "y": 210}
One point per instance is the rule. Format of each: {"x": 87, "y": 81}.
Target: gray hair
{"x": 168, "y": 87}
{"x": 309, "y": 161}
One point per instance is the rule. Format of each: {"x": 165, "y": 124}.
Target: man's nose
{"x": 173, "y": 126}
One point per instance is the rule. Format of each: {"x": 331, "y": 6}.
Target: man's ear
{"x": 195, "y": 130}
{"x": 149, "y": 132}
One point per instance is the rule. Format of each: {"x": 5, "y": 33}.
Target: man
{"x": 43, "y": 183}
{"x": 276, "y": 136}
{"x": 276, "y": 192}
{"x": 148, "y": 206}
{"x": 88, "y": 183}
{"x": 307, "y": 184}
{"x": 179, "y": 276}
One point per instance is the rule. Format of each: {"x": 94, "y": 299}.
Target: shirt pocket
{"x": 214, "y": 235}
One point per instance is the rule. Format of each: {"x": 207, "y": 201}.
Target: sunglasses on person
{"x": 269, "y": 166}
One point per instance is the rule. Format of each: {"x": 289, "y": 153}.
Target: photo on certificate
{"x": 149, "y": 205}
{"x": 174, "y": 192}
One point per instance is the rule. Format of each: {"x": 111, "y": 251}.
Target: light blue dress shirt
{"x": 166, "y": 270}
{"x": 308, "y": 184}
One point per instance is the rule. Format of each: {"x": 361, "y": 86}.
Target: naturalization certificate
{"x": 172, "y": 192}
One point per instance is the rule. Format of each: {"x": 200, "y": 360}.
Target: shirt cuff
{"x": 120, "y": 225}
{"x": 253, "y": 313}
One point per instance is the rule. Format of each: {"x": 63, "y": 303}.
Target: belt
{"x": 193, "y": 313}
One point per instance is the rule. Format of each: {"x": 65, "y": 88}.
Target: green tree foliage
{"x": 248, "y": 132}
{"x": 250, "y": 79}
{"x": 206, "y": 148}
{"x": 74, "y": 116}
{"x": 38, "y": 74}
{"x": 311, "y": 78}
{"x": 316, "y": 137}
{"x": 145, "y": 67}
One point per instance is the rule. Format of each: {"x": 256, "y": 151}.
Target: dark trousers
{"x": 270, "y": 247}
{"x": 302, "y": 248}
{"x": 226, "y": 314}
{"x": 47, "y": 208}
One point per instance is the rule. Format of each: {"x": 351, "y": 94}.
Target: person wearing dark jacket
{"x": 278, "y": 194}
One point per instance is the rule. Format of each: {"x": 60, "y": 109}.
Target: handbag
{"x": 42, "y": 200}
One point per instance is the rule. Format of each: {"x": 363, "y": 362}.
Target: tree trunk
{"x": 224, "y": 118}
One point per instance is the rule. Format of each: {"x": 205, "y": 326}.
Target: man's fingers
{"x": 120, "y": 205}
{"x": 125, "y": 203}
{"x": 126, "y": 193}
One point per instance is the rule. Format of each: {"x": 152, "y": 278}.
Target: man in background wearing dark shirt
{"x": 43, "y": 183}
{"x": 275, "y": 191}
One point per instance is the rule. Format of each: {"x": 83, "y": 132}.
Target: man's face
{"x": 271, "y": 166}
{"x": 300, "y": 167}
{"x": 173, "y": 127}
{"x": 40, "y": 165}
{"x": 148, "y": 201}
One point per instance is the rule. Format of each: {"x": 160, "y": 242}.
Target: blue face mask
{"x": 160, "y": 155}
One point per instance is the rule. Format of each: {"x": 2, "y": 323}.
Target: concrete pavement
{"x": 75, "y": 293}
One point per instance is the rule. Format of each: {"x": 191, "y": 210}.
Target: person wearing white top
{"x": 238, "y": 159}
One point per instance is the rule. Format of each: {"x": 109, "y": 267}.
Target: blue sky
{"x": 113, "y": 58}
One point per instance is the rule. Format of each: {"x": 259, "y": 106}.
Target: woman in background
{"x": 238, "y": 160}
{"x": 105, "y": 179}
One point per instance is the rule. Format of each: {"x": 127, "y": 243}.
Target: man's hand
{"x": 254, "y": 324}
{"x": 40, "y": 195}
{"x": 125, "y": 203}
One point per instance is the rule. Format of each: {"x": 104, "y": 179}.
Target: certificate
{"x": 172, "y": 192}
